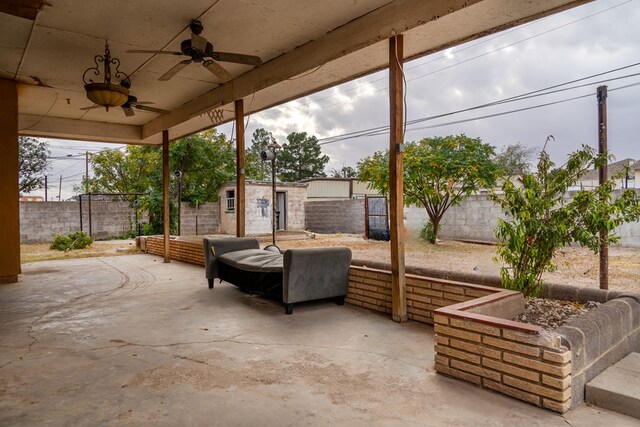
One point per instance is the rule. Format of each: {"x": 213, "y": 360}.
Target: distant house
{"x": 590, "y": 180}
{"x": 32, "y": 199}
{"x": 337, "y": 188}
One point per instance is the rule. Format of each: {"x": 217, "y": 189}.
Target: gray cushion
{"x": 253, "y": 260}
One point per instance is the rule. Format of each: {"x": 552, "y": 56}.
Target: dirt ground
{"x": 41, "y": 251}
{"x": 576, "y": 266}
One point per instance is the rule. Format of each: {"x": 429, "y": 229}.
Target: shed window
{"x": 231, "y": 200}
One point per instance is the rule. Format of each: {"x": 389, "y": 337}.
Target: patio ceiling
{"x": 305, "y": 46}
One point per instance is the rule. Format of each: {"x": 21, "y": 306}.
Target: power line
{"x": 480, "y": 55}
{"x": 384, "y": 130}
{"x": 531, "y": 94}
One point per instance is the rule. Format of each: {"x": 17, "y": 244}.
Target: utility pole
{"x": 86, "y": 175}
{"x": 60, "y": 189}
{"x": 46, "y": 187}
{"x": 603, "y": 175}
{"x": 86, "y": 186}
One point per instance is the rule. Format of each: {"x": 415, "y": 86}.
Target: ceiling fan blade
{"x": 142, "y": 102}
{"x": 238, "y": 58}
{"x": 198, "y": 42}
{"x": 150, "y": 109}
{"x": 158, "y": 52}
{"x": 89, "y": 108}
{"x": 128, "y": 111}
{"x": 174, "y": 70}
{"x": 217, "y": 70}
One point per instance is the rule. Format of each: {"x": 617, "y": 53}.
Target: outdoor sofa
{"x": 294, "y": 276}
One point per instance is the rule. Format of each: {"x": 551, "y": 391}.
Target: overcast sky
{"x": 584, "y": 41}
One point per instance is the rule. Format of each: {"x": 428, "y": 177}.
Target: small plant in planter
{"x": 541, "y": 217}
{"x": 76, "y": 240}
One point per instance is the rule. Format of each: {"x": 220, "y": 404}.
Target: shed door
{"x": 281, "y": 210}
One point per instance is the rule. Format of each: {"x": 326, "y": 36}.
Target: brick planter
{"x": 476, "y": 342}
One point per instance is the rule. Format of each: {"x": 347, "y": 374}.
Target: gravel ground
{"x": 551, "y": 314}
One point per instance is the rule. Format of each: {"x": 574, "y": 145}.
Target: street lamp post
{"x": 178, "y": 175}
{"x": 266, "y": 155}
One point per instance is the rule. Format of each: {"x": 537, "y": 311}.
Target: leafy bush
{"x": 540, "y": 218}
{"x": 76, "y": 240}
{"x": 428, "y": 233}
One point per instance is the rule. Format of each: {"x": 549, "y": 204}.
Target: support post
{"x": 46, "y": 188}
{"x": 396, "y": 199}
{"x": 166, "y": 217}
{"x": 240, "y": 176}
{"x": 9, "y": 191}
{"x": 602, "y": 178}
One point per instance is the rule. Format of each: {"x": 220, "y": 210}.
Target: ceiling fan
{"x": 132, "y": 102}
{"x": 198, "y": 49}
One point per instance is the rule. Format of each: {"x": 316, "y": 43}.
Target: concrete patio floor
{"x": 132, "y": 341}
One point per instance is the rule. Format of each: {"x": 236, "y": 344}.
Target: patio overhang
{"x": 45, "y": 48}
{"x": 305, "y": 46}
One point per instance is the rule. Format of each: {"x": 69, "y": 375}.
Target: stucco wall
{"x": 258, "y": 209}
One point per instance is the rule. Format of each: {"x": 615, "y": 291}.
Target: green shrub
{"x": 428, "y": 233}
{"x": 76, "y": 240}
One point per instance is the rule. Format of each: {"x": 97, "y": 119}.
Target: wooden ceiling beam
{"x": 393, "y": 18}
{"x": 58, "y": 127}
{"x": 27, "y": 9}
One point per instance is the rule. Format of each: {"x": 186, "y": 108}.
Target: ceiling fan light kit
{"x": 105, "y": 93}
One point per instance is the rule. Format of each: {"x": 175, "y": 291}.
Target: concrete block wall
{"x": 600, "y": 338}
{"x": 205, "y": 219}
{"x": 474, "y": 219}
{"x": 108, "y": 218}
{"x": 335, "y": 216}
{"x": 477, "y": 217}
{"x": 39, "y": 221}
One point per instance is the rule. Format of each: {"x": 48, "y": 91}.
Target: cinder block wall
{"x": 335, "y": 216}
{"x": 477, "y": 216}
{"x": 207, "y": 218}
{"x": 601, "y": 338}
{"x": 39, "y": 221}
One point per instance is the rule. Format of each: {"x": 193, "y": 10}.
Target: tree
{"x": 205, "y": 161}
{"x": 515, "y": 159}
{"x": 438, "y": 173}
{"x": 255, "y": 167}
{"x": 540, "y": 218}
{"x": 301, "y": 158}
{"x": 32, "y": 164}
{"x": 118, "y": 171}
{"x": 344, "y": 172}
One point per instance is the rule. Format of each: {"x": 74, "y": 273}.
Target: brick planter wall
{"x": 371, "y": 288}
{"x": 189, "y": 251}
{"x": 475, "y": 344}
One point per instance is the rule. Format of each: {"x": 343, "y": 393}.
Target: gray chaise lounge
{"x": 297, "y": 275}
